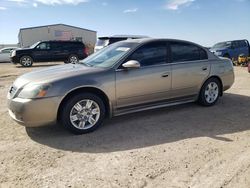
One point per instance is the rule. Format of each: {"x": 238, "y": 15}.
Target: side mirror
{"x": 131, "y": 64}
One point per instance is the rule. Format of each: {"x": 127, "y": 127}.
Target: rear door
{"x": 190, "y": 67}
{"x": 149, "y": 83}
{"x": 59, "y": 50}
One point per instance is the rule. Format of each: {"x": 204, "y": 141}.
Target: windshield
{"x": 222, "y": 45}
{"x": 102, "y": 42}
{"x": 107, "y": 57}
{"x": 34, "y": 45}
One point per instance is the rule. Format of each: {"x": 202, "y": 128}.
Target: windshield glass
{"x": 222, "y": 45}
{"x": 34, "y": 45}
{"x": 102, "y": 42}
{"x": 107, "y": 57}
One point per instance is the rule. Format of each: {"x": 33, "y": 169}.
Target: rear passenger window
{"x": 186, "y": 52}
{"x": 151, "y": 54}
{"x": 243, "y": 44}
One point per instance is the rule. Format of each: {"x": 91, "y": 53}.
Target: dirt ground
{"x": 182, "y": 146}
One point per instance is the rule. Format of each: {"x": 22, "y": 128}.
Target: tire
{"x": 26, "y": 61}
{"x": 79, "y": 117}
{"x": 210, "y": 92}
{"x": 73, "y": 59}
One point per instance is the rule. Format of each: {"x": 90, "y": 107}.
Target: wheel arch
{"x": 92, "y": 90}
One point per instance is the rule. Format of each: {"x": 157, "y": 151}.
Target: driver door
{"x": 150, "y": 82}
{"x": 42, "y": 52}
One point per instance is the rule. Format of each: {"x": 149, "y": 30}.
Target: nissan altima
{"x": 125, "y": 77}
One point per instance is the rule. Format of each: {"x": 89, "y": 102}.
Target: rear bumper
{"x": 34, "y": 112}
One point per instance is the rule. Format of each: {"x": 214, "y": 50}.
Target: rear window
{"x": 114, "y": 40}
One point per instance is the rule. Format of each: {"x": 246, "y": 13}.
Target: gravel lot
{"x": 183, "y": 146}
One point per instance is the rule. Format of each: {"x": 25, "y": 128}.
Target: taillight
{"x": 85, "y": 51}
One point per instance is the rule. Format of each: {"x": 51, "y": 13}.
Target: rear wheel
{"x": 26, "y": 61}
{"x": 83, "y": 113}
{"x": 73, "y": 59}
{"x": 210, "y": 92}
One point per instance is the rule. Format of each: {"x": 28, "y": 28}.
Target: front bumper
{"x": 34, "y": 112}
{"x": 14, "y": 59}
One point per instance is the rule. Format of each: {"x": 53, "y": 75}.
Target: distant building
{"x": 7, "y": 45}
{"x": 31, "y": 35}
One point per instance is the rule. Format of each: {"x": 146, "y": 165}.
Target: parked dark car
{"x": 67, "y": 51}
{"x": 231, "y": 49}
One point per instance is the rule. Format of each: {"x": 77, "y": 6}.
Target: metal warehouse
{"x": 31, "y": 35}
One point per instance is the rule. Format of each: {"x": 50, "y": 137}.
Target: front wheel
{"x": 210, "y": 92}
{"x": 26, "y": 61}
{"x": 83, "y": 113}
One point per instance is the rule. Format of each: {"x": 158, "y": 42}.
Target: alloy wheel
{"x": 85, "y": 114}
{"x": 211, "y": 92}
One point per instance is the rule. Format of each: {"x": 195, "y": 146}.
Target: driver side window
{"x": 43, "y": 46}
{"x": 150, "y": 54}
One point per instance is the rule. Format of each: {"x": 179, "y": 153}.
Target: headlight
{"x": 13, "y": 53}
{"x": 34, "y": 91}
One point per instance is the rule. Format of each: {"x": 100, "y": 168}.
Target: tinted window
{"x": 186, "y": 52}
{"x": 74, "y": 45}
{"x": 236, "y": 44}
{"x": 113, "y": 40}
{"x": 56, "y": 46}
{"x": 150, "y": 54}
{"x": 43, "y": 46}
{"x": 243, "y": 43}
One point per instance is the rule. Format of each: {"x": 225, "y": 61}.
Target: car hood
{"x": 23, "y": 49}
{"x": 54, "y": 73}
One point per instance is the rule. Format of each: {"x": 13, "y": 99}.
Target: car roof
{"x": 145, "y": 40}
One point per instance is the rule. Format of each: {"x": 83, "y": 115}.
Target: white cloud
{"x": 3, "y": 8}
{"x": 35, "y": 5}
{"x": 130, "y": 10}
{"x": 61, "y": 2}
{"x": 175, "y": 4}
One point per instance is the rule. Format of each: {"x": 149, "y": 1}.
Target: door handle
{"x": 204, "y": 68}
{"x": 165, "y": 75}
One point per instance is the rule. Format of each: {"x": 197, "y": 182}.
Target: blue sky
{"x": 203, "y": 21}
